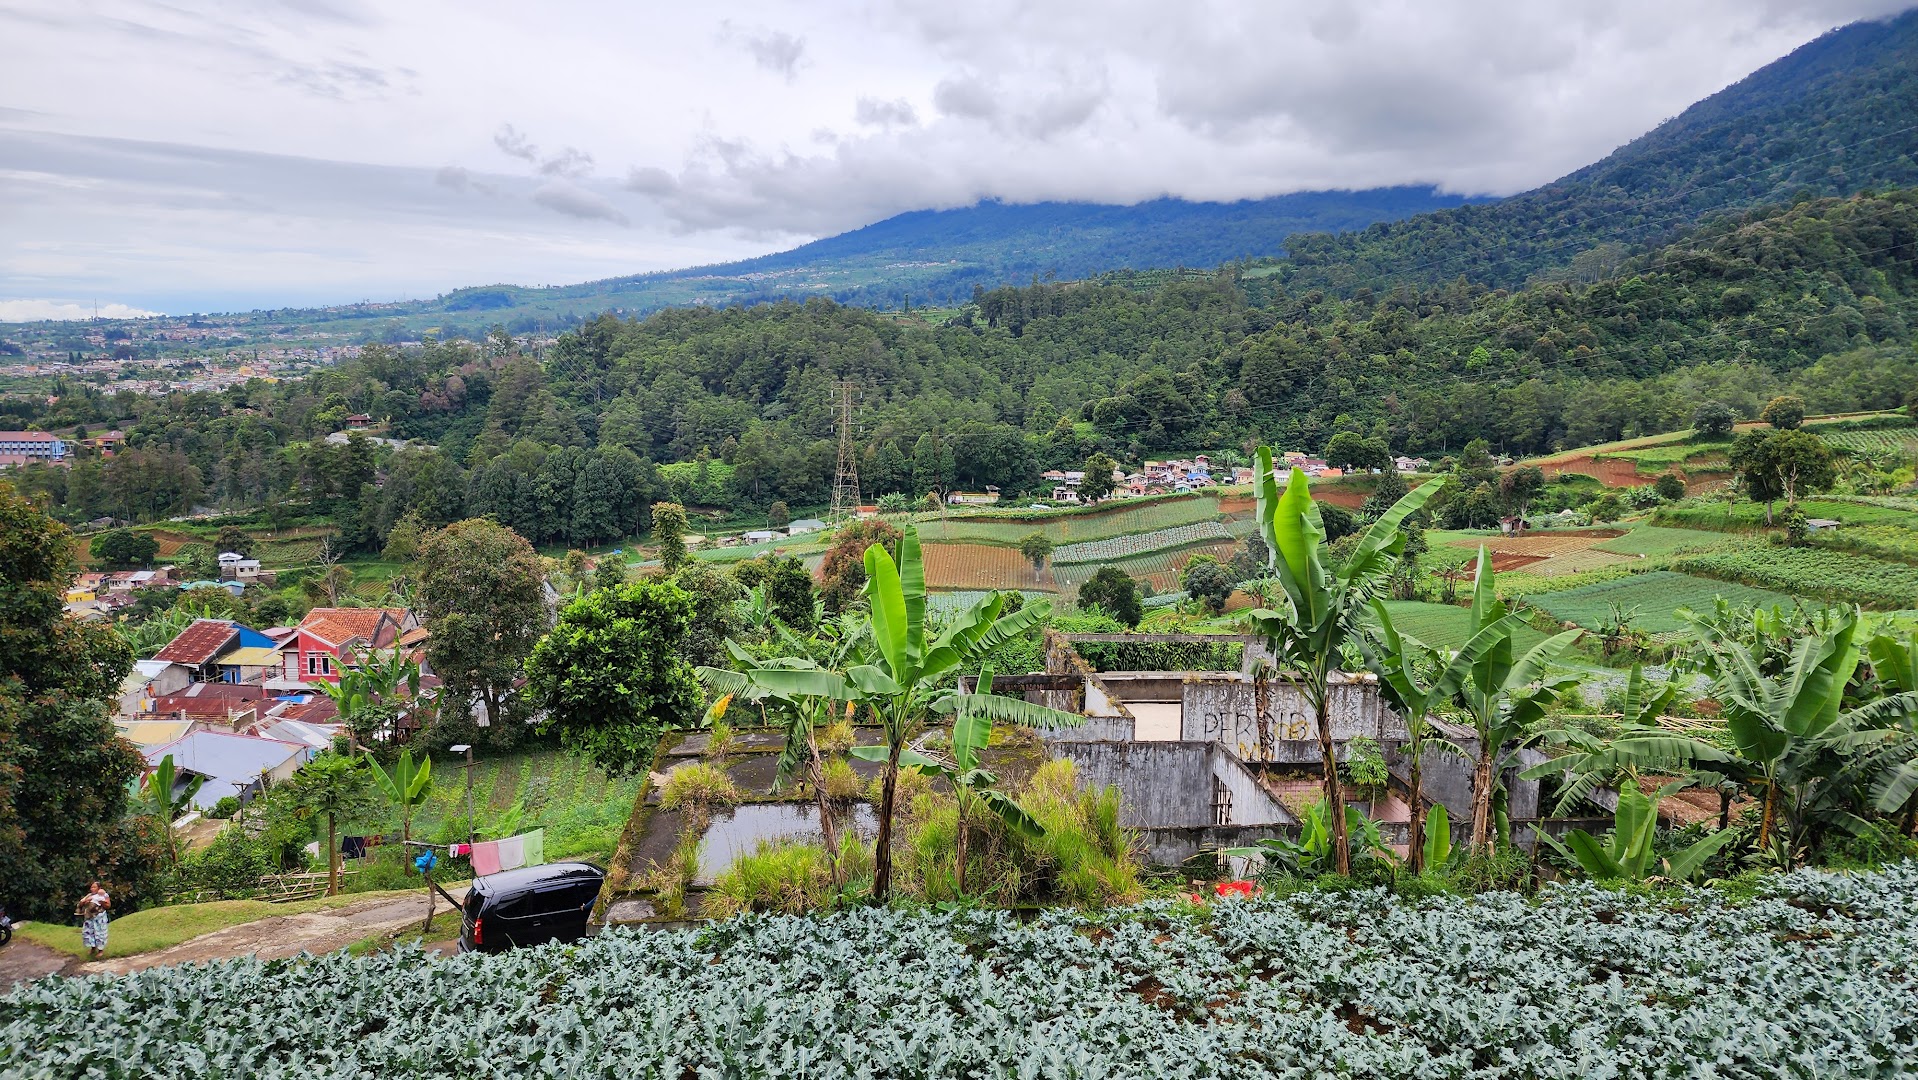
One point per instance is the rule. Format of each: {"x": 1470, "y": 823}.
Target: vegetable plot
{"x": 1811, "y": 979}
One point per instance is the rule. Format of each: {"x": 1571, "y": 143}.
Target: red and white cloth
{"x": 511, "y": 853}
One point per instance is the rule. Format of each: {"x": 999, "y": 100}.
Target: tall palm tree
{"x": 1319, "y": 609}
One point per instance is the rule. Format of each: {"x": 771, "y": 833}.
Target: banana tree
{"x": 374, "y": 680}
{"x": 805, "y": 703}
{"x": 1627, "y": 854}
{"x": 1891, "y": 765}
{"x": 974, "y": 786}
{"x": 1591, "y": 761}
{"x": 1502, "y": 698}
{"x": 164, "y": 803}
{"x": 1314, "y": 847}
{"x": 405, "y": 787}
{"x": 898, "y": 673}
{"x": 1395, "y": 659}
{"x": 1319, "y": 609}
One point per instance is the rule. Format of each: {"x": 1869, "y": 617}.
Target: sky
{"x": 214, "y": 155}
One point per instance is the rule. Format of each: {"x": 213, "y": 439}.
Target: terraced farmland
{"x": 1113, "y": 549}
{"x": 1902, "y": 440}
{"x": 1653, "y": 597}
{"x": 1542, "y": 544}
{"x": 1157, "y": 572}
{"x": 1812, "y": 571}
{"x": 1137, "y": 516}
{"x": 1654, "y": 540}
{"x": 1577, "y": 562}
{"x": 982, "y": 566}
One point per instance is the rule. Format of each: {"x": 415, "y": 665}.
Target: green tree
{"x": 789, "y": 590}
{"x": 1669, "y": 487}
{"x": 1098, "y": 482}
{"x": 1803, "y": 463}
{"x": 335, "y": 787}
{"x": 1037, "y": 548}
{"x": 610, "y": 676}
{"x": 1349, "y": 450}
{"x": 481, "y": 596}
{"x": 1206, "y": 580}
{"x": 1785, "y": 412}
{"x": 1713, "y": 420}
{"x": 65, "y": 775}
{"x": 842, "y": 571}
{"x": 669, "y": 534}
{"x": 235, "y": 539}
{"x": 1318, "y": 610}
{"x": 777, "y": 515}
{"x": 1605, "y": 508}
{"x": 1518, "y": 487}
{"x": 1114, "y": 592}
{"x": 124, "y": 547}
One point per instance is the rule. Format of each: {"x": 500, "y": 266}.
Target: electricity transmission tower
{"x": 845, "y": 480}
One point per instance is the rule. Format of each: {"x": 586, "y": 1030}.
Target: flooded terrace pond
{"x": 741, "y": 829}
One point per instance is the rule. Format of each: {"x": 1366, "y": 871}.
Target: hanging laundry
{"x": 512, "y": 853}
{"x": 535, "y": 847}
{"x": 486, "y": 858}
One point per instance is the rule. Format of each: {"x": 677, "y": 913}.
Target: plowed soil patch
{"x": 1502, "y": 562}
{"x": 1542, "y": 545}
{"x": 1612, "y": 472}
{"x": 1345, "y": 497}
{"x": 981, "y": 566}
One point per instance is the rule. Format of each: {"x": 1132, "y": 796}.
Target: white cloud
{"x": 42, "y": 310}
{"x": 198, "y": 154}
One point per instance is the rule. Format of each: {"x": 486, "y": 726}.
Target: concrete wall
{"x": 1170, "y": 784}
{"x": 1160, "y": 783}
{"x": 1226, "y": 710}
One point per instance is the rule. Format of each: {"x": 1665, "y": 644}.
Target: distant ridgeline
{"x": 1838, "y": 116}
{"x": 937, "y": 257}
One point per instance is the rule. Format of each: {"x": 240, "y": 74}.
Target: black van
{"x": 528, "y": 906}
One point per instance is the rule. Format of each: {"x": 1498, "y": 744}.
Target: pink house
{"x": 330, "y": 637}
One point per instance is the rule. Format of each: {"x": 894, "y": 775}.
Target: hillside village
{"x": 1379, "y": 633}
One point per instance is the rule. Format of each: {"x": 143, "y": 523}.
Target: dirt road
{"x": 271, "y": 938}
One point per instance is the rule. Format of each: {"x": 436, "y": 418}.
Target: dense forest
{"x": 1833, "y": 118}
{"x": 1817, "y": 298}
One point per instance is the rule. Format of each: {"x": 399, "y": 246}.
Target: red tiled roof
{"x": 337, "y": 626}
{"x": 198, "y": 643}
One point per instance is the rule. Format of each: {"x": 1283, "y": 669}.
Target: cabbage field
{"x": 1813, "y": 978}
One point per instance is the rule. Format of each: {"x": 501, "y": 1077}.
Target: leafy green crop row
{"x": 1115, "y": 548}
{"x": 1811, "y": 571}
{"x": 1813, "y": 978}
{"x": 1651, "y": 597}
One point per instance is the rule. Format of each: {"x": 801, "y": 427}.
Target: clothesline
{"x": 510, "y": 853}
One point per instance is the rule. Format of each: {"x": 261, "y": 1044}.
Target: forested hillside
{"x": 926, "y": 257}
{"x": 1818, "y": 298}
{"x": 1833, "y": 118}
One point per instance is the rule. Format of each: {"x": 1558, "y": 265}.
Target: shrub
{"x": 840, "y": 783}
{"x": 698, "y": 786}
{"x": 836, "y": 737}
{"x": 787, "y": 876}
{"x": 223, "y": 810}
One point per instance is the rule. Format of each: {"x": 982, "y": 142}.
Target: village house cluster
{"x": 243, "y": 708}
